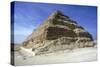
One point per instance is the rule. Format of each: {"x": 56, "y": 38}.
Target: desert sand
{"x": 62, "y": 56}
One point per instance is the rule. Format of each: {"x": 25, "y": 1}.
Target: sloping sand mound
{"x": 63, "y": 56}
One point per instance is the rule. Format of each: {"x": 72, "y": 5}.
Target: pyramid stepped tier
{"x": 60, "y": 29}
{"x": 60, "y": 32}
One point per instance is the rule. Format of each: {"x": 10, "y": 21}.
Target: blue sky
{"x": 28, "y": 15}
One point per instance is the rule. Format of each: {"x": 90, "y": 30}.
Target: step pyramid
{"x": 58, "y": 28}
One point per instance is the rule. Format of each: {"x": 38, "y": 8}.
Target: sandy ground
{"x": 64, "y": 56}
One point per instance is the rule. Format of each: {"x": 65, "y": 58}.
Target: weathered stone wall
{"x": 56, "y": 32}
